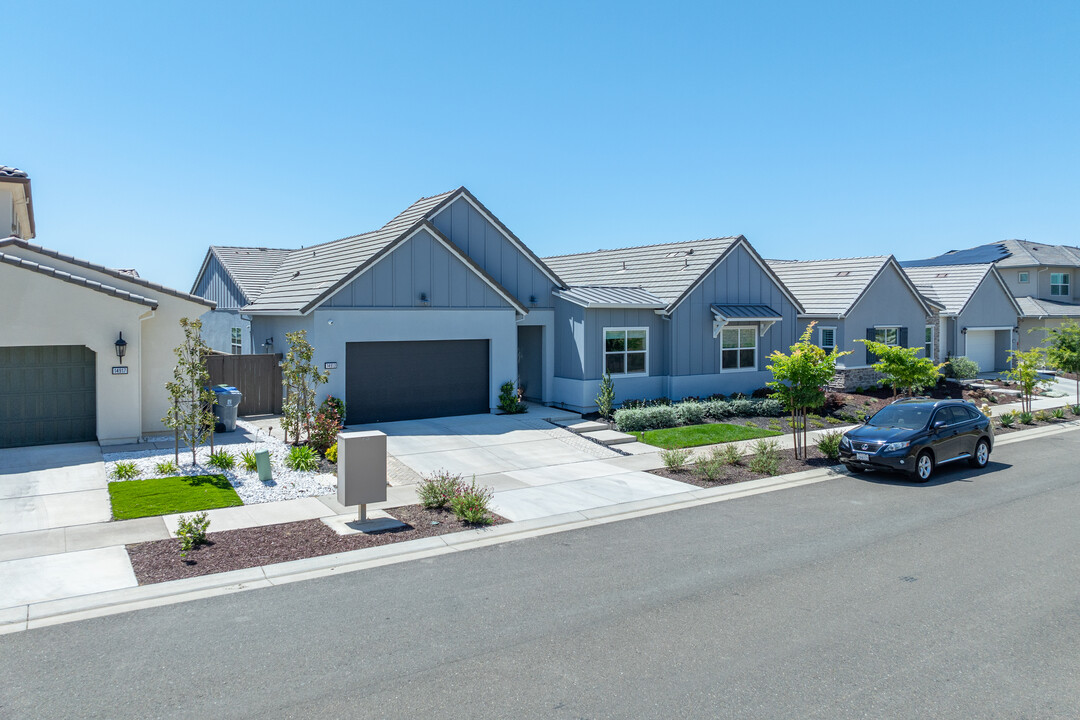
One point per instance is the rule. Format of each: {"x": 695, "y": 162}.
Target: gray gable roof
{"x": 624, "y": 297}
{"x": 19, "y": 242}
{"x": 953, "y": 285}
{"x": 832, "y": 287}
{"x": 1038, "y": 308}
{"x": 249, "y": 267}
{"x": 76, "y": 280}
{"x": 1006, "y": 254}
{"x": 666, "y": 270}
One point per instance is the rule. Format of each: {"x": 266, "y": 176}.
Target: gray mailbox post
{"x": 361, "y": 469}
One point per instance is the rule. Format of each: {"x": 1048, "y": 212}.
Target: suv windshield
{"x": 909, "y": 417}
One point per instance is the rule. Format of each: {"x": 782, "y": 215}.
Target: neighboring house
{"x": 864, "y": 298}
{"x": 426, "y": 317}
{"x": 16, "y": 204}
{"x": 671, "y": 320}
{"x": 1043, "y": 278}
{"x": 234, "y": 277}
{"x": 979, "y": 319}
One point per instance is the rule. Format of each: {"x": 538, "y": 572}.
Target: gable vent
{"x": 843, "y": 273}
{"x": 942, "y": 275}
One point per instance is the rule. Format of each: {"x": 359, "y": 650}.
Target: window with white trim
{"x": 827, "y": 339}
{"x": 1059, "y": 284}
{"x": 1022, "y": 277}
{"x": 237, "y": 341}
{"x": 887, "y": 335}
{"x": 929, "y": 341}
{"x": 626, "y": 351}
{"x": 738, "y": 348}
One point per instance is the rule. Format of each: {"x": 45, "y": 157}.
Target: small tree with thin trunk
{"x": 902, "y": 367}
{"x": 799, "y": 380}
{"x": 605, "y": 399}
{"x": 1025, "y": 373}
{"x": 301, "y": 378}
{"x": 1063, "y": 350}
{"x": 191, "y": 413}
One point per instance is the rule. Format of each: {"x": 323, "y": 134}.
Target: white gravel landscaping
{"x": 286, "y": 485}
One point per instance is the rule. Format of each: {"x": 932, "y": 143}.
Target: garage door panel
{"x": 390, "y": 381}
{"x": 47, "y": 395}
{"x": 980, "y": 348}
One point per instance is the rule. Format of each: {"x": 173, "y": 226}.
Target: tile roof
{"x": 950, "y": 285}
{"x": 76, "y": 280}
{"x": 666, "y": 270}
{"x": 249, "y": 267}
{"x": 19, "y": 242}
{"x": 1006, "y": 254}
{"x": 1038, "y": 308}
{"x": 11, "y": 172}
{"x": 829, "y": 287}
{"x": 610, "y": 296}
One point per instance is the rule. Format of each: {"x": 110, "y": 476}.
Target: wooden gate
{"x": 258, "y": 377}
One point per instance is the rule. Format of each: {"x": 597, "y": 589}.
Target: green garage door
{"x": 47, "y": 395}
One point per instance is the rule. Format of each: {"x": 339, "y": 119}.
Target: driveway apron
{"x": 52, "y": 486}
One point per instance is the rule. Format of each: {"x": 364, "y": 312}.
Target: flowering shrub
{"x": 439, "y": 489}
{"x": 331, "y": 453}
{"x": 325, "y": 429}
{"x": 471, "y": 504}
{"x": 335, "y": 404}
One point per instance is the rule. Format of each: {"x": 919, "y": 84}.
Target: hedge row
{"x": 693, "y": 413}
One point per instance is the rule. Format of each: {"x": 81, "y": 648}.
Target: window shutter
{"x": 871, "y": 358}
{"x": 902, "y": 339}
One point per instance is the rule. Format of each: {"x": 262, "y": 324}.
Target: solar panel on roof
{"x": 972, "y": 256}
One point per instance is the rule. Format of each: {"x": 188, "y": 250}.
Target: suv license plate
{"x": 862, "y": 457}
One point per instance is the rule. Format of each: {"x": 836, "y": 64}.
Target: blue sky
{"x": 815, "y": 129}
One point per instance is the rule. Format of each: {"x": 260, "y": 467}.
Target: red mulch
{"x": 160, "y": 560}
{"x": 741, "y": 473}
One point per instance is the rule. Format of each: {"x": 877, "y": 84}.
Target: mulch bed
{"x": 160, "y": 560}
{"x": 741, "y": 473}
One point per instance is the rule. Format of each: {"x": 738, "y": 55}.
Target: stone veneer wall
{"x": 849, "y": 379}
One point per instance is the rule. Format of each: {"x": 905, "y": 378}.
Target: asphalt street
{"x": 862, "y": 597}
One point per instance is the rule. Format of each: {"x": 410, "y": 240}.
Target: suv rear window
{"x": 909, "y": 417}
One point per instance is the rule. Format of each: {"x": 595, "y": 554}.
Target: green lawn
{"x": 695, "y": 435}
{"x": 167, "y": 495}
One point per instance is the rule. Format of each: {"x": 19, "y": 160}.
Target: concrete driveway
{"x": 535, "y": 468}
{"x": 52, "y": 486}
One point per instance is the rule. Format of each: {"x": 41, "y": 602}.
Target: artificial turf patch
{"x": 168, "y": 495}
{"x": 709, "y": 434}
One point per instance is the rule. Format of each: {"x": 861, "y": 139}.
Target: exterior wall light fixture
{"x": 121, "y": 348}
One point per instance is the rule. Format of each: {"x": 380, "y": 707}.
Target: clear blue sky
{"x": 815, "y": 129}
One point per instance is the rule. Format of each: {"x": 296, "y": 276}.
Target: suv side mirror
{"x": 939, "y": 423}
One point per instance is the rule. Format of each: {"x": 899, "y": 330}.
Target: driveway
{"x": 52, "y": 486}
{"x": 536, "y": 469}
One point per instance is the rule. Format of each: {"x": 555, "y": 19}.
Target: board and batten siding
{"x": 569, "y": 340}
{"x": 737, "y": 280}
{"x": 888, "y": 302}
{"x": 488, "y": 247}
{"x": 598, "y": 319}
{"x": 215, "y": 284}
{"x": 421, "y": 265}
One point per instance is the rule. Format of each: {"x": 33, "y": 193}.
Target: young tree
{"x": 191, "y": 413}
{"x": 1025, "y": 373}
{"x": 799, "y": 381}
{"x": 605, "y": 399}
{"x": 1063, "y": 350}
{"x": 902, "y": 368}
{"x": 301, "y": 378}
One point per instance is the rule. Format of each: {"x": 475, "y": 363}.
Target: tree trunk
{"x": 794, "y": 433}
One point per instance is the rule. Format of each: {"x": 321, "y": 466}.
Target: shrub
{"x": 766, "y": 457}
{"x": 717, "y": 409}
{"x": 247, "y": 459}
{"x": 728, "y": 454}
{"x": 833, "y": 420}
{"x": 1027, "y": 418}
{"x": 324, "y": 429}
{"x": 508, "y": 399}
{"x": 1075, "y": 409}
{"x": 654, "y": 417}
{"x": 762, "y": 392}
{"x": 1058, "y": 413}
{"x": 223, "y": 460}
{"x": 166, "y": 468}
{"x": 829, "y": 444}
{"x": 775, "y": 425}
{"x": 675, "y": 458}
{"x": 439, "y": 489}
{"x": 605, "y": 399}
{"x": 711, "y": 468}
{"x": 690, "y": 413}
{"x": 125, "y": 470}
{"x": 961, "y": 368}
{"x": 471, "y": 504}
{"x": 191, "y": 532}
{"x": 331, "y": 453}
{"x": 335, "y": 404}
{"x": 1041, "y": 416}
{"x": 817, "y": 423}
{"x": 302, "y": 458}
{"x": 1007, "y": 419}
{"x": 741, "y": 407}
{"x": 770, "y": 407}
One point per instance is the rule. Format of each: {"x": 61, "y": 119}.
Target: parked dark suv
{"x": 917, "y": 435}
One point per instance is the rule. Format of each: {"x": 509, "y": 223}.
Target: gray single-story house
{"x": 671, "y": 320}
{"x": 979, "y": 319}
{"x": 427, "y": 316}
{"x": 863, "y": 298}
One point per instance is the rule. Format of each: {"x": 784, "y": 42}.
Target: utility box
{"x": 361, "y": 468}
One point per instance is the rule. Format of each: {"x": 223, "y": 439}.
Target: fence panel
{"x": 258, "y": 377}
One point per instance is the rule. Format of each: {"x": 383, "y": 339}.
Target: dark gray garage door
{"x": 47, "y": 395}
{"x": 387, "y": 381}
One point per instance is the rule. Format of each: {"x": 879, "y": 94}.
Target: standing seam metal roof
{"x": 589, "y": 296}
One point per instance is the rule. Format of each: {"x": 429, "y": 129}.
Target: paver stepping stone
{"x": 609, "y": 437}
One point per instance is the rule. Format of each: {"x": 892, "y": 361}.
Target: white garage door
{"x": 980, "y": 348}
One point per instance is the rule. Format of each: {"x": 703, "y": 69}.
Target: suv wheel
{"x": 982, "y": 454}
{"x": 924, "y": 467}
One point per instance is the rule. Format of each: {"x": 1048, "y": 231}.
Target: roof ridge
{"x": 825, "y": 260}
{"x": 648, "y": 245}
{"x": 249, "y": 247}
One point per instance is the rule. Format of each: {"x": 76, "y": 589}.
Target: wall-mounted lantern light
{"x": 269, "y": 342}
{"x": 963, "y": 331}
{"x": 423, "y": 298}
{"x": 532, "y": 299}
{"x": 121, "y": 348}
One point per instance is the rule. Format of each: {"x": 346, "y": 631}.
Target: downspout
{"x": 150, "y": 315}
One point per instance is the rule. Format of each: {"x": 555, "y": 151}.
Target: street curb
{"x": 54, "y": 612}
